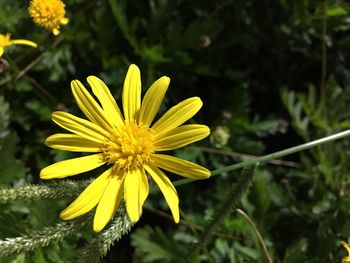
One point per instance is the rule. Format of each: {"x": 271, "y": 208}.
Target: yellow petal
{"x": 131, "y": 194}
{"x": 89, "y": 106}
{"x": 72, "y": 167}
{"x": 73, "y": 143}
{"x": 144, "y": 188}
{"x": 64, "y": 21}
{"x": 109, "y": 202}
{"x": 346, "y": 246}
{"x": 24, "y": 42}
{"x": 80, "y": 126}
{"x": 180, "y": 167}
{"x": 167, "y": 189}
{"x": 56, "y": 31}
{"x": 107, "y": 101}
{"x": 152, "y": 100}
{"x": 177, "y": 115}
{"x": 88, "y": 199}
{"x": 181, "y": 136}
{"x": 2, "y": 50}
{"x": 132, "y": 94}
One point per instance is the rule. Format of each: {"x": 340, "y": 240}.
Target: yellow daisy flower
{"x": 347, "y": 247}
{"x": 5, "y": 41}
{"x": 128, "y": 143}
{"x": 48, "y": 14}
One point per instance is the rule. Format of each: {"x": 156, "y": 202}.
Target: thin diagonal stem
{"x": 193, "y": 225}
{"x": 324, "y": 57}
{"x": 272, "y": 156}
{"x": 257, "y": 232}
{"x": 245, "y": 156}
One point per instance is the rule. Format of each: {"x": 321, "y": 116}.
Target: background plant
{"x": 273, "y": 73}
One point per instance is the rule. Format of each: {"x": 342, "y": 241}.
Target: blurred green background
{"x": 271, "y": 74}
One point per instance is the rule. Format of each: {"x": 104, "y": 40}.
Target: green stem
{"x": 50, "y": 190}
{"x": 100, "y": 244}
{"x": 38, "y": 238}
{"x": 231, "y": 199}
{"x": 257, "y": 232}
{"x": 324, "y": 57}
{"x": 271, "y": 156}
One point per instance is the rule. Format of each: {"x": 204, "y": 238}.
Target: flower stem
{"x": 268, "y": 157}
{"x": 50, "y": 190}
{"x": 230, "y": 201}
{"x": 257, "y": 232}
{"x": 102, "y": 242}
{"x": 38, "y": 238}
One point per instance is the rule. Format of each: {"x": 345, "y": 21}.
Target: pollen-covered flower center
{"x": 129, "y": 147}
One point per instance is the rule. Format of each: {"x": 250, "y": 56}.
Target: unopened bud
{"x": 220, "y": 136}
{"x": 204, "y": 41}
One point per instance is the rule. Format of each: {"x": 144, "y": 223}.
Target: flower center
{"x": 130, "y": 147}
{"x": 5, "y": 40}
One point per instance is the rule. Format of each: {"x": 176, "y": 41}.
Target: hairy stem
{"x": 50, "y": 190}
{"x": 38, "y": 238}
{"x": 99, "y": 246}
{"x": 228, "y": 203}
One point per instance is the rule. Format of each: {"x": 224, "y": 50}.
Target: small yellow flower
{"x": 128, "y": 144}
{"x": 48, "y": 14}
{"x": 347, "y": 247}
{"x": 5, "y": 41}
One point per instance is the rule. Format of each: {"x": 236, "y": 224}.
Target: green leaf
{"x": 19, "y": 258}
{"x": 336, "y": 11}
{"x": 152, "y": 244}
{"x": 10, "y": 167}
{"x": 119, "y": 13}
{"x": 296, "y": 252}
{"x": 248, "y": 251}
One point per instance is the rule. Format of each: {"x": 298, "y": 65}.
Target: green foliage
{"x": 153, "y": 245}
{"x": 52, "y": 190}
{"x": 10, "y": 167}
{"x": 226, "y": 206}
{"x": 99, "y": 245}
{"x": 273, "y": 73}
{"x": 10, "y": 15}
{"x": 39, "y": 238}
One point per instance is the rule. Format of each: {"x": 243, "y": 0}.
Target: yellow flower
{"x": 48, "y": 14}
{"x": 127, "y": 143}
{"x": 347, "y": 247}
{"x": 5, "y": 41}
